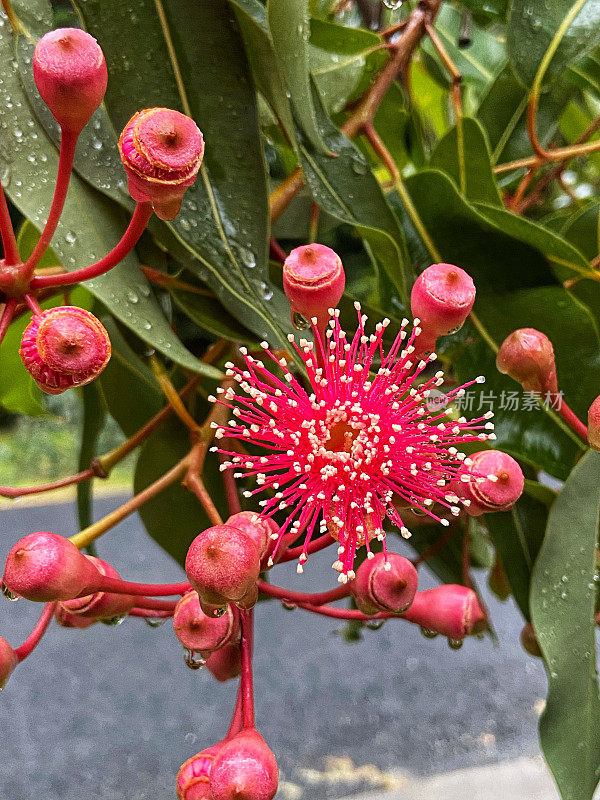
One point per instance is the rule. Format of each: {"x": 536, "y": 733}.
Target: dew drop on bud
{"x": 8, "y": 594}
{"x": 193, "y": 660}
{"x": 288, "y": 606}
{"x": 300, "y": 322}
{"x": 155, "y": 622}
{"x": 375, "y": 624}
{"x": 112, "y": 622}
{"x": 455, "y": 644}
{"x": 428, "y": 634}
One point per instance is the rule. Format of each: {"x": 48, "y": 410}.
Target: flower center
{"x": 341, "y": 436}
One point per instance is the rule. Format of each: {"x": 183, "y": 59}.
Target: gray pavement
{"x": 111, "y": 713}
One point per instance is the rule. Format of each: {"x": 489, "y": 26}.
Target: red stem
{"x": 317, "y": 599}
{"x": 276, "y": 252}
{"x": 235, "y": 725}
{"x": 7, "y": 315}
{"x": 156, "y": 605}
{"x": 65, "y": 166}
{"x": 148, "y": 613}
{"x": 572, "y": 420}
{"x": 137, "y": 225}
{"x": 246, "y": 682}
{"x": 231, "y": 492}
{"x": 33, "y": 304}
{"x": 320, "y": 543}
{"x": 32, "y": 641}
{"x": 343, "y": 613}
{"x": 21, "y": 491}
{"x": 9, "y": 243}
{"x": 117, "y": 586}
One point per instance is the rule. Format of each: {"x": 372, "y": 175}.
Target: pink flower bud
{"x": 101, "y": 605}
{"x": 68, "y": 620}
{"x": 64, "y": 347}
{"x": 70, "y": 73}
{"x": 161, "y": 150}
{"x": 258, "y": 528}
{"x": 8, "y": 661}
{"x": 450, "y": 609}
{"x": 225, "y": 663}
{"x": 313, "y": 280}
{"x": 593, "y": 430}
{"x": 442, "y": 298}
{"x": 198, "y": 632}
{"x": 529, "y": 641}
{"x": 385, "y": 584}
{"x": 46, "y": 567}
{"x": 489, "y": 480}
{"x": 527, "y": 356}
{"x": 193, "y": 775}
{"x": 244, "y": 769}
{"x": 223, "y": 565}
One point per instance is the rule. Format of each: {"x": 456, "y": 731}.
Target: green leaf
{"x": 223, "y": 225}
{"x": 27, "y": 238}
{"x": 517, "y": 535}
{"x": 347, "y": 189}
{"x": 561, "y": 31}
{"x": 563, "y": 595}
{"x": 174, "y": 517}
{"x": 89, "y": 225}
{"x": 289, "y": 24}
{"x": 210, "y": 315}
{"x": 94, "y": 414}
{"x": 464, "y": 154}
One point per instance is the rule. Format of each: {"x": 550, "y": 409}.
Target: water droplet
{"x": 155, "y": 622}
{"x": 428, "y": 634}
{"x": 191, "y": 738}
{"x": 359, "y": 165}
{"x": 70, "y": 237}
{"x": 132, "y": 297}
{"x": 300, "y": 322}
{"x": 288, "y": 606}
{"x": 266, "y": 291}
{"x": 112, "y": 622}
{"x": 392, "y": 4}
{"x": 193, "y": 660}
{"x": 375, "y": 624}
{"x": 455, "y": 644}
{"x": 7, "y": 593}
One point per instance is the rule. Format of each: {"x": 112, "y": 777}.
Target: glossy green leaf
{"x": 563, "y": 595}
{"x": 517, "y": 535}
{"x": 175, "y": 517}
{"x": 562, "y": 31}
{"x": 94, "y": 415}
{"x": 210, "y": 315}
{"x": 223, "y": 224}
{"x": 289, "y": 24}
{"x": 464, "y": 154}
{"x": 347, "y": 189}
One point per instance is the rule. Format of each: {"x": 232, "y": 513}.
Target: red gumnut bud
{"x": 198, "y": 632}
{"x": 225, "y": 663}
{"x": 384, "y": 584}
{"x": 8, "y": 661}
{"x": 313, "y": 280}
{"x": 70, "y": 73}
{"x": 530, "y": 642}
{"x": 161, "y": 150}
{"x": 450, "y": 610}
{"x": 101, "y": 605}
{"x": 441, "y": 298}
{"x": 244, "y": 769}
{"x": 64, "y": 347}
{"x": 223, "y": 565}
{"x": 593, "y": 430}
{"x": 489, "y": 480}
{"x": 68, "y": 620}
{"x": 193, "y": 775}
{"x": 262, "y": 530}
{"x": 46, "y": 567}
{"x": 527, "y": 356}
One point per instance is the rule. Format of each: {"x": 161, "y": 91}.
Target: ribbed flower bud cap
{"x": 161, "y": 150}
{"x": 593, "y": 430}
{"x": 101, "y": 605}
{"x": 70, "y": 73}
{"x": 450, "y": 610}
{"x": 527, "y": 356}
{"x": 8, "y": 661}
{"x": 45, "y": 567}
{"x": 384, "y": 584}
{"x": 313, "y": 280}
{"x": 442, "y": 298}
{"x": 199, "y": 632}
{"x": 193, "y": 775}
{"x": 64, "y": 347}
{"x": 223, "y": 565}
{"x": 244, "y": 769}
{"x": 489, "y": 480}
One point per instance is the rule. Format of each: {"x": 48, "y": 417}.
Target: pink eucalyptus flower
{"x": 364, "y": 435}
